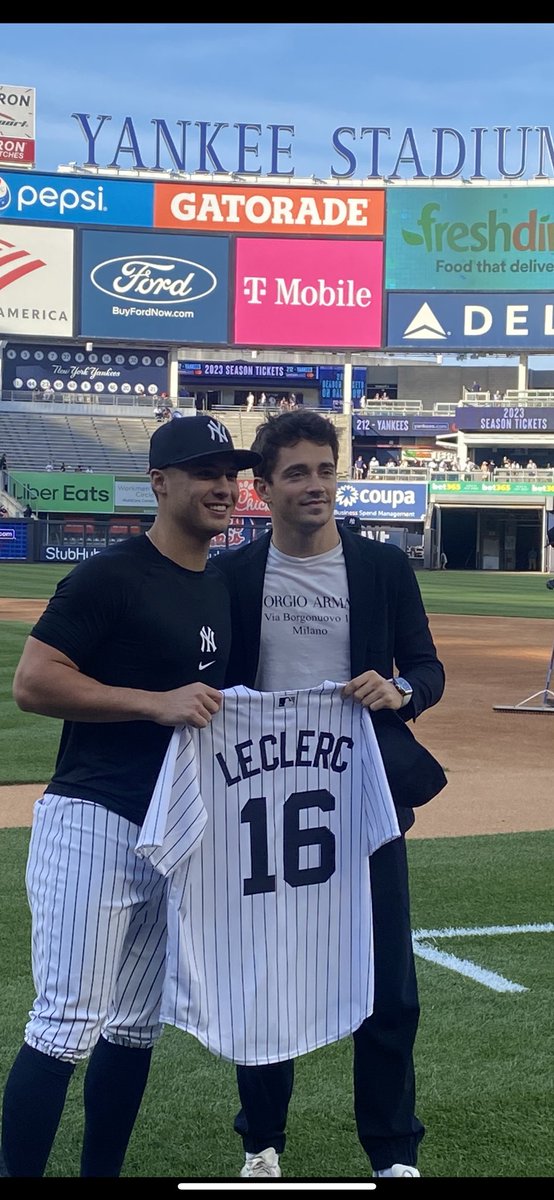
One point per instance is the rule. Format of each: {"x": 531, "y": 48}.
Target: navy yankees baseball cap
{"x": 353, "y": 523}
{"x": 194, "y": 439}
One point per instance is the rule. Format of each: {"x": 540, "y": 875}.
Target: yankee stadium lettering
{"x": 272, "y": 752}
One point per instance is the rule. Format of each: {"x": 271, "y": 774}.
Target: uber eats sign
{"x": 63, "y": 491}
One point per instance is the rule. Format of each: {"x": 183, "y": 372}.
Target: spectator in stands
{"x": 79, "y": 467}
{"x": 3, "y": 462}
{"x": 250, "y": 401}
{"x": 63, "y": 467}
{"x": 373, "y": 465}
{"x": 27, "y": 511}
{"x": 359, "y": 467}
{"x": 3, "y": 472}
{"x": 475, "y": 387}
{"x": 49, "y": 466}
{"x": 497, "y": 397}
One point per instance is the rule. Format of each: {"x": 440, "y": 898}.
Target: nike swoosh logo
{"x": 202, "y": 666}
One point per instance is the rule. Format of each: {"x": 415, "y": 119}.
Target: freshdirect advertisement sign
{"x": 66, "y": 369}
{"x": 473, "y": 321}
{"x": 470, "y": 239}
{"x": 155, "y": 287}
{"x": 69, "y": 491}
{"x": 17, "y": 125}
{"x": 36, "y": 281}
{"x": 379, "y": 502}
{"x": 236, "y": 209}
{"x": 308, "y": 293}
{"x": 384, "y": 425}
{"x": 475, "y": 487}
{"x": 514, "y": 418}
{"x": 78, "y": 201}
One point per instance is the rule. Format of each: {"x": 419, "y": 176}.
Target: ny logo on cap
{"x": 217, "y": 431}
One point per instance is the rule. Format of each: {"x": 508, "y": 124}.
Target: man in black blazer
{"x": 312, "y": 601}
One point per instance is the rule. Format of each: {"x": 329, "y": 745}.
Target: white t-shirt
{"x": 265, "y": 821}
{"x": 305, "y": 631}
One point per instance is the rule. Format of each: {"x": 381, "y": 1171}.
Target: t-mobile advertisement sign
{"x": 308, "y": 293}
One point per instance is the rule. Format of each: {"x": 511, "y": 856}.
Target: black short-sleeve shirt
{"x": 130, "y": 617}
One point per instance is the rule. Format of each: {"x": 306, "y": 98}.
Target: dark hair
{"x": 288, "y": 428}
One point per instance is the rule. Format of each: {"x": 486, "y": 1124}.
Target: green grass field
{"x": 481, "y": 593}
{"x": 483, "y": 1056}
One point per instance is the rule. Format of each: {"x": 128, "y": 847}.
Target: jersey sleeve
{"x": 176, "y": 817}
{"x": 380, "y": 814}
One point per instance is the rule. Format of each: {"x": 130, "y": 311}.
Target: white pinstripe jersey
{"x": 282, "y": 798}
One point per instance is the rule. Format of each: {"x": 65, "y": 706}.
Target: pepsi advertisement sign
{"x": 155, "y": 287}
{"x": 91, "y": 201}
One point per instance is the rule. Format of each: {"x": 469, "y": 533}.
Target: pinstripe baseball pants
{"x": 98, "y": 931}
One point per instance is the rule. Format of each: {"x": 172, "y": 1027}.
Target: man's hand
{"x": 373, "y": 691}
{"x": 195, "y": 704}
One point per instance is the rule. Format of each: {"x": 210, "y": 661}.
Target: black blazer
{"x": 388, "y": 629}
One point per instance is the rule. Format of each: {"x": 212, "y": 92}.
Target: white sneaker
{"x": 397, "y": 1171}
{"x": 263, "y": 1165}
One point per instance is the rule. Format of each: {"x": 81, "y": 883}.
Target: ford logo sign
{"x": 147, "y": 277}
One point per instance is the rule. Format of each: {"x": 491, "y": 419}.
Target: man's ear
{"x": 261, "y": 487}
{"x": 158, "y": 481}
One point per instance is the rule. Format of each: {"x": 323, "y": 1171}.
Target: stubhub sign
{"x": 79, "y": 201}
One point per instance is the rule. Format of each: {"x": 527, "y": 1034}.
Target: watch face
{"x": 403, "y": 686}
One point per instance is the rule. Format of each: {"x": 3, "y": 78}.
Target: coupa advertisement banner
{"x": 154, "y": 287}
{"x": 76, "y": 201}
{"x": 470, "y": 239}
{"x": 285, "y": 210}
{"x": 66, "y": 369}
{"x": 308, "y": 293}
{"x": 382, "y": 502}
{"x": 36, "y": 281}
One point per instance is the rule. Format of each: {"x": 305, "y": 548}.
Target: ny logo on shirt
{"x": 207, "y": 636}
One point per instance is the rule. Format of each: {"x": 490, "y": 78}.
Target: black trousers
{"x": 384, "y": 1081}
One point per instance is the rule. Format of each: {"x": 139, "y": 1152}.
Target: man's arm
{"x": 48, "y": 682}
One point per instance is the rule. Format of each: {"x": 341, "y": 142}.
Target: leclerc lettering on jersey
{"x": 264, "y": 822}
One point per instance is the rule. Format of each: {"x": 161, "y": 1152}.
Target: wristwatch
{"x": 406, "y": 690}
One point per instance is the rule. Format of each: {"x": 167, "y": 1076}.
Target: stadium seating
{"x": 32, "y": 440}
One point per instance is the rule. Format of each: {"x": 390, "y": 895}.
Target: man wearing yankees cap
{"x": 134, "y": 642}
